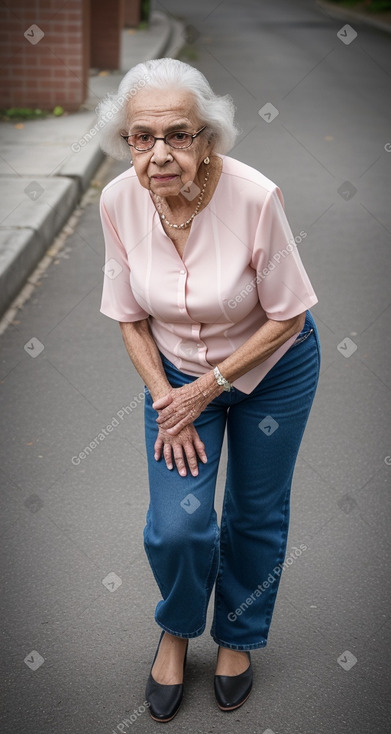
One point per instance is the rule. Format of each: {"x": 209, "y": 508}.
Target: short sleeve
{"x": 118, "y": 301}
{"x": 284, "y": 288}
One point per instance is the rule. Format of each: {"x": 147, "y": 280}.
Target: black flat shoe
{"x": 164, "y": 701}
{"x": 232, "y": 691}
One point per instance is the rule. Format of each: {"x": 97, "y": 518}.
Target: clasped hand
{"x": 178, "y": 438}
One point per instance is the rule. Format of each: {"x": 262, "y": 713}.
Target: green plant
{"x": 145, "y": 11}
{"x": 374, "y": 6}
{"x": 19, "y": 114}
{"x": 379, "y": 6}
{"x": 22, "y": 113}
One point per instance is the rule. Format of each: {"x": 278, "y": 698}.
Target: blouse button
{"x": 182, "y": 272}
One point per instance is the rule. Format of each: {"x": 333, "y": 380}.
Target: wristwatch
{"x": 221, "y": 380}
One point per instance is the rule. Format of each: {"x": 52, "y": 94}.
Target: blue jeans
{"x": 187, "y": 551}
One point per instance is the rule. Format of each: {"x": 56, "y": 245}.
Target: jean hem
{"x": 184, "y": 635}
{"x": 232, "y": 646}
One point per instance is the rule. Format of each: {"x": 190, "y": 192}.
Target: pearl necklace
{"x": 188, "y": 221}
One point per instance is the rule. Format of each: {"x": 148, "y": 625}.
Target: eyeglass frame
{"x": 145, "y": 150}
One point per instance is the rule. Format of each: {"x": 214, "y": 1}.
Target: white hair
{"x": 216, "y": 112}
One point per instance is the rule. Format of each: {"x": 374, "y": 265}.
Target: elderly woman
{"x": 203, "y": 275}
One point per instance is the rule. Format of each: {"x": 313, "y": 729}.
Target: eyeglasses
{"x": 177, "y": 139}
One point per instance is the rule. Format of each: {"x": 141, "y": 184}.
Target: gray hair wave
{"x": 216, "y": 112}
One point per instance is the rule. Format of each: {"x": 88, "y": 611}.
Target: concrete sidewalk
{"x": 42, "y": 177}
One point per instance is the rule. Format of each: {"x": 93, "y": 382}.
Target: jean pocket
{"x": 303, "y": 336}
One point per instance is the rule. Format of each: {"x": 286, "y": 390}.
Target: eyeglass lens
{"x": 145, "y": 141}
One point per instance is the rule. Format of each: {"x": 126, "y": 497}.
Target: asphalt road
{"x": 77, "y": 595}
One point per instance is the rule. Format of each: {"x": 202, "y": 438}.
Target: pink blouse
{"x": 240, "y": 267}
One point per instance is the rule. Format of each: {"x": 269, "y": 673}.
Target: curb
{"x": 348, "y": 14}
{"x": 175, "y": 40}
{"x": 164, "y": 41}
{"x": 21, "y": 246}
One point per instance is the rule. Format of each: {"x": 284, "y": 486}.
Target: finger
{"x": 167, "y": 453}
{"x": 169, "y": 416}
{"x": 178, "y": 427}
{"x": 191, "y": 458}
{"x": 158, "y": 448}
{"x": 166, "y": 420}
{"x": 200, "y": 448}
{"x": 162, "y": 402}
{"x": 187, "y": 419}
{"x": 179, "y": 460}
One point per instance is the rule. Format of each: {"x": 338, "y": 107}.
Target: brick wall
{"x": 50, "y": 64}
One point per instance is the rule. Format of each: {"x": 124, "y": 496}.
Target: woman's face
{"x": 165, "y": 170}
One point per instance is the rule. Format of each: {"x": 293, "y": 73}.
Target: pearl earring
{"x": 206, "y": 160}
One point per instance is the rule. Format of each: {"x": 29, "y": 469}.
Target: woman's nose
{"x": 161, "y": 152}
